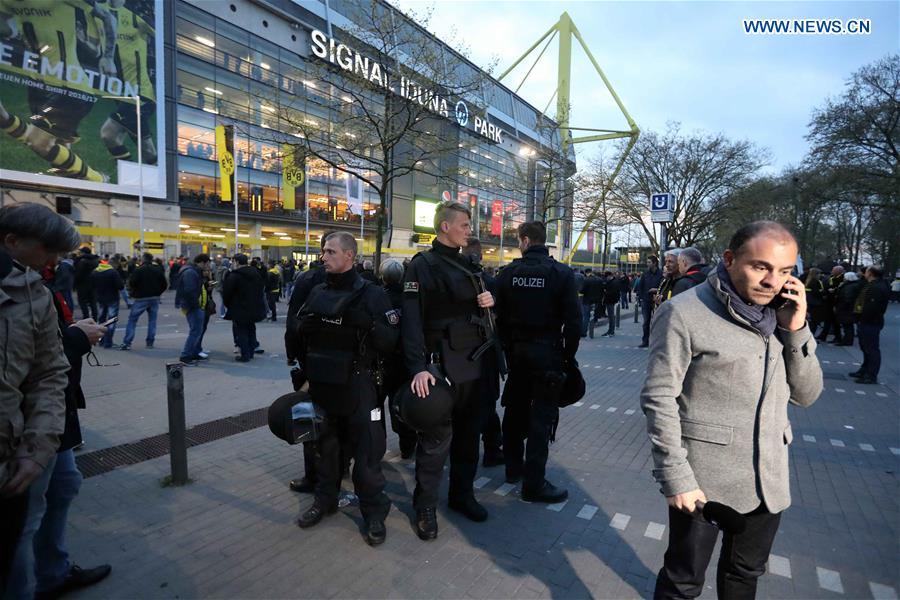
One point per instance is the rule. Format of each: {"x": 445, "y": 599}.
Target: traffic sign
{"x": 662, "y": 207}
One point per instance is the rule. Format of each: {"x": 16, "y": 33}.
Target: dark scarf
{"x": 760, "y": 317}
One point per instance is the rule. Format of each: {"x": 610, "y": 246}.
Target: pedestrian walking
{"x": 107, "y": 284}
{"x": 539, "y": 321}
{"x": 273, "y": 289}
{"x": 191, "y": 297}
{"x": 243, "y": 298}
{"x": 611, "y": 294}
{"x": 147, "y": 284}
{"x": 710, "y": 439}
{"x": 870, "y": 308}
{"x": 845, "y": 318}
{"x": 84, "y": 265}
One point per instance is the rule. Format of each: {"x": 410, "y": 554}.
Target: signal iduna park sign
{"x": 349, "y": 60}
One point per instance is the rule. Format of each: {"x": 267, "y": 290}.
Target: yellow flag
{"x": 292, "y": 176}
{"x": 225, "y": 150}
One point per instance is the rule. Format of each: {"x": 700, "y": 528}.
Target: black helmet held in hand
{"x": 423, "y": 414}
{"x": 295, "y": 419}
{"x": 574, "y": 387}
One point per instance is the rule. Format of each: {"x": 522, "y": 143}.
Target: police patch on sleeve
{"x": 411, "y": 286}
{"x": 393, "y": 317}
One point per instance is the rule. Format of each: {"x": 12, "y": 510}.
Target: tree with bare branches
{"x": 383, "y": 101}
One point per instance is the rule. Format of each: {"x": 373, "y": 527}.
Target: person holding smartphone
{"x": 726, "y": 358}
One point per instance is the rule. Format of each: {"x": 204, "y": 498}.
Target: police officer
{"x": 540, "y": 323}
{"x": 491, "y": 433}
{"x": 305, "y": 283}
{"x": 442, "y": 325}
{"x": 393, "y": 369}
{"x": 344, "y": 323}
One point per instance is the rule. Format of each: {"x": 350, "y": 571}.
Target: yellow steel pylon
{"x": 566, "y": 29}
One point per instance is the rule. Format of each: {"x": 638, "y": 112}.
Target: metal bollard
{"x": 177, "y": 439}
{"x": 618, "y": 316}
{"x": 635, "y": 312}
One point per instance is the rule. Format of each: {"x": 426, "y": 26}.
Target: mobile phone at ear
{"x": 110, "y": 322}
{"x": 779, "y": 301}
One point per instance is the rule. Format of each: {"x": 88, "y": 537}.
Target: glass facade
{"x": 227, "y": 75}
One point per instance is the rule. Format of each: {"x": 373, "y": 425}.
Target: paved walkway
{"x": 230, "y": 533}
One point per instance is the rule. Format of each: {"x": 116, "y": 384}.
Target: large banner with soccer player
{"x": 72, "y": 73}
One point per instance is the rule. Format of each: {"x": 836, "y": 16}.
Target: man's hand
{"x": 420, "y": 382}
{"x": 93, "y": 330}
{"x": 485, "y": 300}
{"x": 792, "y": 314}
{"x": 686, "y": 502}
{"x": 24, "y": 471}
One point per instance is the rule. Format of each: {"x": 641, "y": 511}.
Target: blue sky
{"x": 680, "y": 61}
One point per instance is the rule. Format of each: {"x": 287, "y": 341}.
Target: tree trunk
{"x": 380, "y": 220}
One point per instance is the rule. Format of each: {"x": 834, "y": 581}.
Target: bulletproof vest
{"x": 330, "y": 336}
{"x": 451, "y": 303}
{"x": 532, "y": 312}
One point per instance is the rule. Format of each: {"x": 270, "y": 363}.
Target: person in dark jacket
{"x": 815, "y": 300}
{"x": 107, "y": 283}
{"x": 306, "y": 281}
{"x": 84, "y": 265}
{"x": 611, "y": 293}
{"x": 845, "y": 299}
{"x": 64, "y": 280}
{"x": 273, "y": 289}
{"x": 242, "y": 295}
{"x": 147, "y": 284}
{"x": 870, "y": 307}
{"x": 692, "y": 272}
{"x": 831, "y": 290}
{"x": 191, "y": 296}
{"x": 646, "y": 290}
{"x": 594, "y": 292}
{"x": 492, "y": 429}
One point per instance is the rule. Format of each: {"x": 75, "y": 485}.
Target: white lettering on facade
{"x": 350, "y": 60}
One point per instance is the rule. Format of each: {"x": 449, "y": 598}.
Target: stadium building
{"x": 248, "y": 65}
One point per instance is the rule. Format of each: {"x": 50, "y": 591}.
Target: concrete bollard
{"x": 177, "y": 428}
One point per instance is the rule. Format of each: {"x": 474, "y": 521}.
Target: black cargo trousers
{"x": 361, "y": 429}
{"x": 459, "y": 438}
{"x": 531, "y": 399}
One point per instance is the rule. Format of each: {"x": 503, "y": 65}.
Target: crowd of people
{"x": 429, "y": 341}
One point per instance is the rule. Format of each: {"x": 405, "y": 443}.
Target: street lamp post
{"x": 140, "y": 146}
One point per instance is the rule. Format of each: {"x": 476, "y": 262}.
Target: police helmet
{"x": 295, "y": 419}
{"x": 423, "y": 414}
{"x": 391, "y": 271}
{"x": 574, "y": 387}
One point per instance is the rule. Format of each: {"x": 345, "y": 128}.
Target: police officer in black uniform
{"x": 393, "y": 368}
{"x": 305, "y": 283}
{"x": 443, "y": 302}
{"x": 344, "y": 324}
{"x": 491, "y": 434}
{"x": 539, "y": 319}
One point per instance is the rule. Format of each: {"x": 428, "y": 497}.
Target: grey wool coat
{"x": 716, "y": 399}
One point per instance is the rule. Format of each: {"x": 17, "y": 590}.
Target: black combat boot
{"x": 376, "y": 532}
{"x": 314, "y": 514}
{"x": 470, "y": 507}
{"x": 426, "y": 523}
{"x": 302, "y": 485}
{"x": 547, "y": 492}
